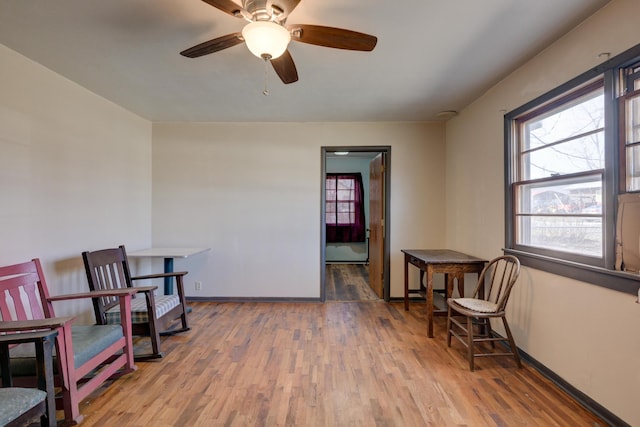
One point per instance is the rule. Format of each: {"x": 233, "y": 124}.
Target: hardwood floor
{"x": 332, "y": 364}
{"x": 348, "y": 282}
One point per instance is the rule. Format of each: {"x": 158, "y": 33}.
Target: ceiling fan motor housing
{"x": 261, "y": 10}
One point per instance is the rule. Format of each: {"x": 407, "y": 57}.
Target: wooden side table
{"x": 44, "y": 341}
{"x": 453, "y": 264}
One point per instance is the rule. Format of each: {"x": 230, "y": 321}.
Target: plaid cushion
{"x": 164, "y": 304}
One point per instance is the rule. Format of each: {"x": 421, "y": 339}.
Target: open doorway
{"x": 355, "y": 262}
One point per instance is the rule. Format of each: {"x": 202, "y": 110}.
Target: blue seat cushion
{"x": 15, "y": 401}
{"x": 88, "y": 341}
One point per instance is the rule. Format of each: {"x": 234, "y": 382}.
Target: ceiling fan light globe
{"x": 266, "y": 39}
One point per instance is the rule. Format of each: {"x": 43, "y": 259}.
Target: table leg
{"x": 168, "y": 281}
{"x": 449, "y": 278}
{"x": 44, "y": 356}
{"x": 430, "y": 301}
{"x": 5, "y": 367}
{"x": 461, "y": 285}
{"x": 406, "y": 282}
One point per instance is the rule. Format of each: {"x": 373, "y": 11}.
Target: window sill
{"x": 611, "y": 279}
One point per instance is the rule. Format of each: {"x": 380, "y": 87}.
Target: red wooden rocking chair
{"x": 86, "y": 356}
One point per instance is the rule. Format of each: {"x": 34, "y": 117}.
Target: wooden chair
{"x": 86, "y": 356}
{"x": 23, "y": 406}
{"x": 152, "y": 315}
{"x": 495, "y": 281}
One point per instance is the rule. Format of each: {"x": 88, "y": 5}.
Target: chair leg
{"x": 512, "y": 343}
{"x": 68, "y": 380}
{"x": 154, "y": 334}
{"x": 470, "y": 349}
{"x": 449, "y": 328}
{"x": 185, "y": 322}
{"x": 155, "y": 344}
{"x": 183, "y": 316}
{"x": 489, "y": 331}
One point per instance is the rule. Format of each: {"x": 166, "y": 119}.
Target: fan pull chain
{"x": 265, "y": 92}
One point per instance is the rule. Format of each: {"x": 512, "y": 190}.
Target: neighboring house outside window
{"x": 567, "y": 174}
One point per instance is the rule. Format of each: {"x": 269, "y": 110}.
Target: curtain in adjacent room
{"x": 345, "y": 208}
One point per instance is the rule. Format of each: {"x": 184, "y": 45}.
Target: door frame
{"x": 386, "y": 151}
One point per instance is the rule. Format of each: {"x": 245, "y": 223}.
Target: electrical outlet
{"x": 198, "y": 286}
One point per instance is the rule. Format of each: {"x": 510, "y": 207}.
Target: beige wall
{"x": 251, "y": 192}
{"x": 586, "y": 334}
{"x": 75, "y": 174}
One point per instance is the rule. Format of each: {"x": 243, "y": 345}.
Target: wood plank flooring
{"x": 332, "y": 364}
{"x": 348, "y": 282}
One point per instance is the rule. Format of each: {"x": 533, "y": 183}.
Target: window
{"x": 559, "y": 174}
{"x": 566, "y": 174}
{"x": 344, "y": 210}
{"x": 628, "y": 218}
{"x": 630, "y": 112}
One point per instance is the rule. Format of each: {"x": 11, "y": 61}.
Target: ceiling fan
{"x": 267, "y": 36}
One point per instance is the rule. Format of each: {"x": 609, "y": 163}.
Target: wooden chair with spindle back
{"x": 488, "y": 301}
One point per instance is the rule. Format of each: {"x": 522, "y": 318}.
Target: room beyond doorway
{"x": 344, "y": 256}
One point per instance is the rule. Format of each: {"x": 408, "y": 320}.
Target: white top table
{"x": 168, "y": 254}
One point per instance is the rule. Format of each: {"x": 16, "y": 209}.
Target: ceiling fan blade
{"x": 333, "y": 37}
{"x": 213, "y": 45}
{"x": 228, "y": 6}
{"x": 286, "y": 6}
{"x": 285, "y": 68}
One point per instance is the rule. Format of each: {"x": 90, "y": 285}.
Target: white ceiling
{"x": 432, "y": 55}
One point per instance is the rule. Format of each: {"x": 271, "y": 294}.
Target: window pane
{"x": 562, "y": 196}
{"x": 565, "y": 215}
{"x": 633, "y": 168}
{"x": 345, "y": 194}
{"x": 581, "y": 116}
{"x": 346, "y": 213}
{"x": 345, "y": 206}
{"x": 578, "y": 155}
{"x": 345, "y": 184}
{"x": 331, "y": 183}
{"x": 633, "y": 119}
{"x": 345, "y": 218}
{"x": 330, "y": 209}
{"x": 632, "y": 151}
{"x": 569, "y": 234}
